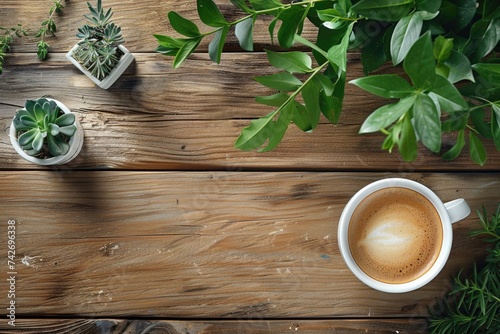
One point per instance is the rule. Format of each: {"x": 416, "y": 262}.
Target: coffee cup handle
{"x": 457, "y": 209}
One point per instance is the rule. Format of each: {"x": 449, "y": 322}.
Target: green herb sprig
{"x": 6, "y": 38}
{"x": 446, "y": 48}
{"x": 48, "y": 27}
{"x": 473, "y": 304}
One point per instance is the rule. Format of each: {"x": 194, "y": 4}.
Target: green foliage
{"x": 6, "y": 38}
{"x": 447, "y": 49}
{"x": 98, "y": 50}
{"x": 48, "y": 27}
{"x": 473, "y": 303}
{"x": 43, "y": 129}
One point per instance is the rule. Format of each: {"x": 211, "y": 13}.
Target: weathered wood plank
{"x": 230, "y": 245}
{"x": 159, "y": 118}
{"x": 138, "y": 22}
{"x": 115, "y": 326}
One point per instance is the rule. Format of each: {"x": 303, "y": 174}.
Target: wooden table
{"x": 161, "y": 226}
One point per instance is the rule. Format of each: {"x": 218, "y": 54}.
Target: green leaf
{"x": 169, "y": 41}
{"x": 407, "y": 142}
{"x": 29, "y": 106}
{"x": 286, "y": 113}
{"x": 385, "y": 85}
{"x": 185, "y": 50}
{"x": 427, "y": 122}
{"x": 26, "y": 122}
{"x": 39, "y": 112}
{"x": 456, "y": 121}
{"x": 210, "y": 14}
{"x": 52, "y": 111}
{"x": 491, "y": 9}
{"x": 480, "y": 125}
{"x": 182, "y": 25}
{"x": 28, "y": 136}
{"x": 419, "y": 63}
{"x": 477, "y": 151}
{"x": 68, "y": 130}
{"x": 489, "y": 71}
{"x": 241, "y": 4}
{"x": 329, "y": 14}
{"x": 53, "y": 129}
{"x": 495, "y": 126}
{"x": 283, "y": 81}
{"x": 275, "y": 100}
{"x": 291, "y": 61}
{"x": 442, "y": 48}
{"x": 325, "y": 83}
{"x": 387, "y": 114}
{"x": 256, "y": 134}
{"x": 244, "y": 33}
{"x": 455, "y": 151}
{"x": 496, "y": 112}
{"x": 337, "y": 54}
{"x": 291, "y": 20}
{"x": 169, "y": 46}
{"x": 331, "y": 105}
{"x": 315, "y": 48}
{"x": 271, "y": 28}
{"x": 217, "y": 44}
{"x": 447, "y": 95}
{"x": 373, "y": 53}
{"x": 265, "y": 4}
{"x": 484, "y": 37}
{"x": 383, "y": 10}
{"x": 66, "y": 119}
{"x": 466, "y": 9}
{"x": 431, "y": 6}
{"x": 459, "y": 67}
{"x": 57, "y": 146}
{"x": 37, "y": 143}
{"x": 405, "y": 34}
{"x": 310, "y": 94}
{"x": 301, "y": 118}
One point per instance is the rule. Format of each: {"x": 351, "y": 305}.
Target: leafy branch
{"x": 6, "y": 38}
{"x": 446, "y": 48}
{"x": 48, "y": 27}
{"x": 473, "y": 304}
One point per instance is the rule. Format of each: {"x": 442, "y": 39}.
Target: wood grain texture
{"x": 157, "y": 118}
{"x": 161, "y": 226}
{"x": 115, "y": 326}
{"x": 138, "y": 23}
{"x": 228, "y": 245}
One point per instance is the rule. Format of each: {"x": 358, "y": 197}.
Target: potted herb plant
{"x": 100, "y": 54}
{"x": 46, "y": 132}
{"x": 447, "y": 49}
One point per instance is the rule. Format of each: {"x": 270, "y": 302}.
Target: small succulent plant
{"x": 43, "y": 129}
{"x": 98, "y": 50}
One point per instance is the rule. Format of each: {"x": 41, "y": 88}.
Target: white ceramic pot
{"x": 105, "y": 83}
{"x": 75, "y": 143}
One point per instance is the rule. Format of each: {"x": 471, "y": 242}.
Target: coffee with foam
{"x": 395, "y": 235}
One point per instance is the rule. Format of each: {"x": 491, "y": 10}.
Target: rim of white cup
{"x": 342, "y": 235}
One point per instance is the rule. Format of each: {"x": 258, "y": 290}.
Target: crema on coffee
{"x": 395, "y": 235}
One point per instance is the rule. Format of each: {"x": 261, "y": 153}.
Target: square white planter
{"x": 105, "y": 83}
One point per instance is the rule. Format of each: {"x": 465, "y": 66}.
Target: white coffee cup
{"x": 449, "y": 213}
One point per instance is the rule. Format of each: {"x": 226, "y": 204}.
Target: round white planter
{"x": 105, "y": 83}
{"x": 75, "y": 143}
